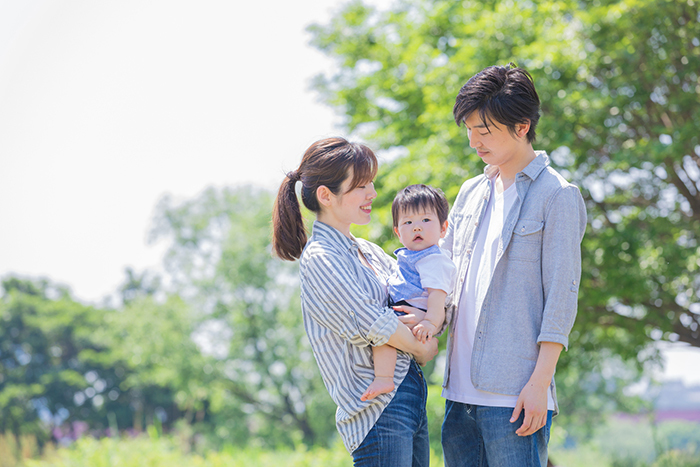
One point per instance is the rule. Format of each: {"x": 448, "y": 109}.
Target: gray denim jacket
{"x": 533, "y": 293}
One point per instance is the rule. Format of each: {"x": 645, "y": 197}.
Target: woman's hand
{"x": 412, "y": 317}
{"x": 429, "y": 351}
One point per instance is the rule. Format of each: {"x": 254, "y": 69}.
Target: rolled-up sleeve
{"x": 565, "y": 225}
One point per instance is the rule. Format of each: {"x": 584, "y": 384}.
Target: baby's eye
{"x": 408, "y": 222}
{"x": 427, "y": 219}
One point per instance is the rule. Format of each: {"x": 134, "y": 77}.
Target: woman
{"x": 344, "y": 304}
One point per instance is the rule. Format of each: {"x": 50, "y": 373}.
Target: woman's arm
{"x": 337, "y": 295}
{"x": 403, "y": 339}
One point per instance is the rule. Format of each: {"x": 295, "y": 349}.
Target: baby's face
{"x": 419, "y": 230}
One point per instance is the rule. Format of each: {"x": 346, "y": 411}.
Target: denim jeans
{"x": 400, "y": 436}
{"x": 481, "y": 436}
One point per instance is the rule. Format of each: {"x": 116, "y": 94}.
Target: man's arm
{"x": 533, "y": 397}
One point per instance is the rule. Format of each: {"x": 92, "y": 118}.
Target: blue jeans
{"x": 400, "y": 436}
{"x": 481, "y": 436}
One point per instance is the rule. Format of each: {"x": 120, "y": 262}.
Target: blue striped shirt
{"x": 344, "y": 308}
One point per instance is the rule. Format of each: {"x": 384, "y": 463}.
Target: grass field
{"x": 623, "y": 442}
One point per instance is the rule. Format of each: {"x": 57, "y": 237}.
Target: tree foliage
{"x": 249, "y": 319}
{"x": 619, "y": 82}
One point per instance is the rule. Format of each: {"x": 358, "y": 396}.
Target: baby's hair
{"x": 413, "y": 198}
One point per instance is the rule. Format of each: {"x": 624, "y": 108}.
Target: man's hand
{"x": 533, "y": 397}
{"x": 533, "y": 400}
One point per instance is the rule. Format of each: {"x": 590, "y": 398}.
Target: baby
{"x": 425, "y": 274}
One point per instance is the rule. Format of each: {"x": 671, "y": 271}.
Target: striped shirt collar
{"x": 333, "y": 235}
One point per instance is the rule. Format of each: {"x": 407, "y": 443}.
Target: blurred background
{"x": 141, "y": 145}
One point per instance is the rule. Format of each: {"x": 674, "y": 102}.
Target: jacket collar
{"x": 532, "y": 170}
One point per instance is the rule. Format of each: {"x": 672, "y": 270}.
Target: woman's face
{"x": 350, "y": 207}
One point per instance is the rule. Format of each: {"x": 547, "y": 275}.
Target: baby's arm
{"x": 434, "y": 316}
{"x": 384, "y": 366}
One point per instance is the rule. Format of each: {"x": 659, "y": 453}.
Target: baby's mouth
{"x": 417, "y": 238}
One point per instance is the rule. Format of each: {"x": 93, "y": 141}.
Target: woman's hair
{"x": 325, "y": 163}
{"x": 416, "y": 197}
{"x": 504, "y": 94}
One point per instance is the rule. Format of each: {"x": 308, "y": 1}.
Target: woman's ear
{"x": 323, "y": 195}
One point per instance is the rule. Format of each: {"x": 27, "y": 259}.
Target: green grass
{"x": 619, "y": 443}
{"x": 165, "y": 452}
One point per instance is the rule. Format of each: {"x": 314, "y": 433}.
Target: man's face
{"x": 493, "y": 142}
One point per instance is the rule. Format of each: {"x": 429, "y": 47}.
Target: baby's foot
{"x": 380, "y": 385}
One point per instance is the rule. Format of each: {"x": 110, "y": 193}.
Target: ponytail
{"x": 288, "y": 233}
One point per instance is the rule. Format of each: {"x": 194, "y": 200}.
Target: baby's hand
{"x": 424, "y": 331}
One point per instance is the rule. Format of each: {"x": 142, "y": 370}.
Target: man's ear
{"x": 443, "y": 230}
{"x": 521, "y": 129}
{"x": 323, "y": 195}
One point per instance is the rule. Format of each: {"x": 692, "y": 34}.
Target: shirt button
{"x": 574, "y": 282}
{"x": 523, "y": 229}
{"x": 476, "y": 223}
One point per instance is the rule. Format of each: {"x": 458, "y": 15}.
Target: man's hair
{"x": 502, "y": 94}
{"x": 413, "y": 198}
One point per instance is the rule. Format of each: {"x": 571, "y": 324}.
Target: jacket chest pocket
{"x": 526, "y": 243}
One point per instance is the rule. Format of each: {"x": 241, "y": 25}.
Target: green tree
{"x": 63, "y": 362}
{"x": 249, "y": 319}
{"x": 619, "y": 85}
{"x": 162, "y": 375}
{"x": 43, "y": 335}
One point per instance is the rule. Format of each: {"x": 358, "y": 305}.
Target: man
{"x": 514, "y": 234}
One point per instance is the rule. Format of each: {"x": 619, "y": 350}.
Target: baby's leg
{"x": 384, "y": 365}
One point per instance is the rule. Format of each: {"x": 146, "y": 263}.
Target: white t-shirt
{"x": 436, "y": 272}
{"x": 481, "y": 267}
